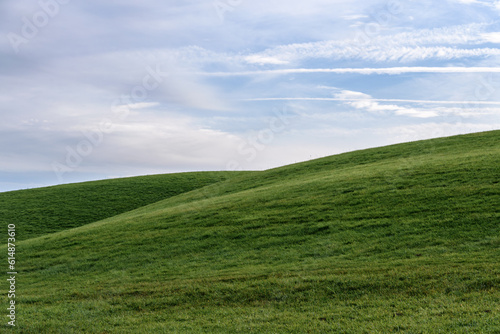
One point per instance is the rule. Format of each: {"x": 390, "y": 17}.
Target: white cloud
{"x": 365, "y": 102}
{"x": 462, "y": 109}
{"x": 468, "y": 2}
{"x": 170, "y": 142}
{"x": 365, "y": 71}
{"x": 69, "y": 76}
{"x": 261, "y": 60}
{"x": 423, "y": 44}
{"x": 354, "y": 17}
{"x": 487, "y": 3}
{"x": 142, "y": 105}
{"x": 378, "y": 100}
{"x": 492, "y": 37}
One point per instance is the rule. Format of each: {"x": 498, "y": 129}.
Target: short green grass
{"x": 52, "y": 209}
{"x": 403, "y": 238}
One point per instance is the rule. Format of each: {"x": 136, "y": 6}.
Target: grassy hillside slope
{"x": 46, "y": 210}
{"x": 402, "y": 238}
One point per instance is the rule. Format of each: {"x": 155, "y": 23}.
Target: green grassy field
{"x": 404, "y": 238}
{"x": 53, "y": 209}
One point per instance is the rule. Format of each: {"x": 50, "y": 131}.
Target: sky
{"x": 103, "y": 89}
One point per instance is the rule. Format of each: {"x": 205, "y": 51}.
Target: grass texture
{"x": 397, "y": 239}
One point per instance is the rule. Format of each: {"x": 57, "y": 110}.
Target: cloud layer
{"x": 93, "y": 89}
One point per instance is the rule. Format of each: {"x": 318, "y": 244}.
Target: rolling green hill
{"x": 403, "y": 238}
{"x": 52, "y": 209}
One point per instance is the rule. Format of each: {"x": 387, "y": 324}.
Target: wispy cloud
{"x": 386, "y": 107}
{"x": 262, "y": 60}
{"x": 366, "y": 71}
{"x": 176, "y": 70}
{"x": 340, "y": 99}
{"x": 365, "y": 102}
{"x": 423, "y": 44}
{"x": 492, "y": 37}
{"x": 492, "y": 4}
